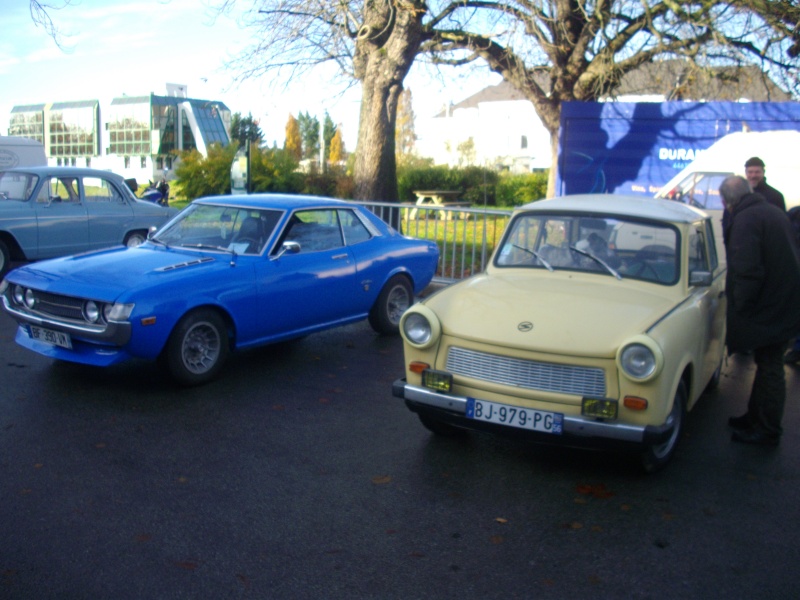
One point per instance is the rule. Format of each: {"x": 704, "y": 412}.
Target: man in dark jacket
{"x": 754, "y": 173}
{"x": 763, "y": 289}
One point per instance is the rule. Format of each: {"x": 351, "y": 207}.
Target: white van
{"x": 20, "y": 152}
{"x": 698, "y": 184}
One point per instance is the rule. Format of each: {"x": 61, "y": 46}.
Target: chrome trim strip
{"x": 115, "y": 332}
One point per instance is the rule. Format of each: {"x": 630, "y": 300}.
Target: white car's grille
{"x": 529, "y": 374}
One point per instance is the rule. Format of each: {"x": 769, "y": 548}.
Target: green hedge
{"x": 274, "y": 170}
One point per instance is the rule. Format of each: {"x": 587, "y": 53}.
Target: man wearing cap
{"x": 754, "y": 172}
{"x": 763, "y": 290}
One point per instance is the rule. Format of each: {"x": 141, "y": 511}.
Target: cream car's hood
{"x": 585, "y": 315}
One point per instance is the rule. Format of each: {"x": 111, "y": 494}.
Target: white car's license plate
{"x": 57, "y": 338}
{"x": 515, "y": 416}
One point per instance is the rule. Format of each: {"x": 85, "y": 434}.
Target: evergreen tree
{"x": 245, "y": 129}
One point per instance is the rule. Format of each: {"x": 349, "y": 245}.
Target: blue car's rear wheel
{"x": 197, "y": 347}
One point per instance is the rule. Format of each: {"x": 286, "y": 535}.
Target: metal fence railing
{"x": 466, "y": 236}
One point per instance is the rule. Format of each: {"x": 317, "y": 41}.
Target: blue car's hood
{"x": 107, "y": 274}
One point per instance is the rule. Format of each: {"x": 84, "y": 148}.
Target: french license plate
{"x": 515, "y": 416}
{"x": 56, "y": 338}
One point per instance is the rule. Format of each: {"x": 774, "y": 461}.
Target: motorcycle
{"x": 159, "y": 194}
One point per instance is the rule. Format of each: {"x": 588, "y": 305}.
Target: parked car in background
{"x": 229, "y": 272}
{"x": 600, "y": 321}
{"x": 55, "y": 211}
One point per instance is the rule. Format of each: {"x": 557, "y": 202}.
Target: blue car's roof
{"x": 276, "y": 201}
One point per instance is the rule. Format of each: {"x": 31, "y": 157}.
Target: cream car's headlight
{"x": 420, "y": 326}
{"x": 640, "y": 359}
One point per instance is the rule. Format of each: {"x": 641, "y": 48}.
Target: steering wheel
{"x": 643, "y": 267}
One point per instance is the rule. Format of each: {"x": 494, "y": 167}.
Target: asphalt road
{"x": 298, "y": 475}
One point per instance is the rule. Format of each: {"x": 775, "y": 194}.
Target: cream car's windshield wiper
{"x": 534, "y": 253}
{"x": 598, "y": 260}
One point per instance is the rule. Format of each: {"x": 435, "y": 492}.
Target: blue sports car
{"x": 228, "y": 272}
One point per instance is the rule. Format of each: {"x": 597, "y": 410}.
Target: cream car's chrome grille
{"x": 529, "y": 374}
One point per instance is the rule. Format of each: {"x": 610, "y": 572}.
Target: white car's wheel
{"x": 135, "y": 238}
{"x": 5, "y": 258}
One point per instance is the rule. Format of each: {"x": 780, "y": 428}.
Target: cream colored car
{"x": 600, "y": 321}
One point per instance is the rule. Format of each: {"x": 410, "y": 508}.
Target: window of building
{"x": 523, "y": 142}
{"x": 143, "y": 162}
{"x": 127, "y": 162}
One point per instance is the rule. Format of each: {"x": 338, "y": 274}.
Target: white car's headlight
{"x": 420, "y": 327}
{"x": 640, "y": 358}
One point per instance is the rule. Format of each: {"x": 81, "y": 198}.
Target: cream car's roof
{"x": 616, "y": 204}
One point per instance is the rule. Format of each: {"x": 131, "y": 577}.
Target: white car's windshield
{"x": 17, "y": 186}
{"x": 614, "y": 246}
{"x": 220, "y": 228}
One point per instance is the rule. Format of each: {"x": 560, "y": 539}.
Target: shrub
{"x": 517, "y": 189}
{"x": 206, "y": 176}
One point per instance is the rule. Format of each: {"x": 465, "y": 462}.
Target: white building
{"x": 496, "y": 127}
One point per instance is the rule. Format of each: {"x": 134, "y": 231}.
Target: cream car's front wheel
{"x": 656, "y": 456}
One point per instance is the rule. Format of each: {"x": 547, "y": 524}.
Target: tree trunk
{"x": 375, "y": 169}
{"x": 387, "y": 44}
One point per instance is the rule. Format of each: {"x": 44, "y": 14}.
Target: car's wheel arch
{"x": 14, "y": 249}
{"x": 220, "y": 310}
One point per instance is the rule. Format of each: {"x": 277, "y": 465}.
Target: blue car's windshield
{"x": 220, "y": 228}
{"x": 17, "y": 186}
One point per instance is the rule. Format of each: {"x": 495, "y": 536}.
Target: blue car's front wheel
{"x": 197, "y": 347}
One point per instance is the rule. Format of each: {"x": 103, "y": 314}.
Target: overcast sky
{"x": 112, "y": 48}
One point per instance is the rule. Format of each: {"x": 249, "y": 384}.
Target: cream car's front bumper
{"x": 452, "y": 409}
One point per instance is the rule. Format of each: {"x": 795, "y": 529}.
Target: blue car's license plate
{"x": 515, "y": 416}
{"x": 56, "y": 338}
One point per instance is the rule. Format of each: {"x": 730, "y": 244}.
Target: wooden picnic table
{"x": 445, "y": 198}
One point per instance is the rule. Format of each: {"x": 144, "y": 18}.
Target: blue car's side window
{"x": 353, "y": 229}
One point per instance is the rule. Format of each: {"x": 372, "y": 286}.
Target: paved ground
{"x": 297, "y": 475}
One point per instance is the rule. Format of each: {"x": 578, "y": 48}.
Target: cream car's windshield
{"x": 611, "y": 245}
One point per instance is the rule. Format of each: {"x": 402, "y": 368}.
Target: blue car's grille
{"x": 54, "y": 305}
{"x": 529, "y": 374}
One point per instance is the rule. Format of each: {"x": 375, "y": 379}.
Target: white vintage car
{"x": 599, "y": 321}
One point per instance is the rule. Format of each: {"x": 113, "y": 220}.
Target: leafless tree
{"x": 373, "y": 42}
{"x": 560, "y": 50}
{"x": 40, "y": 14}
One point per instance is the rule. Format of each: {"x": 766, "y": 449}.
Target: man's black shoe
{"x": 742, "y": 422}
{"x": 754, "y": 436}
